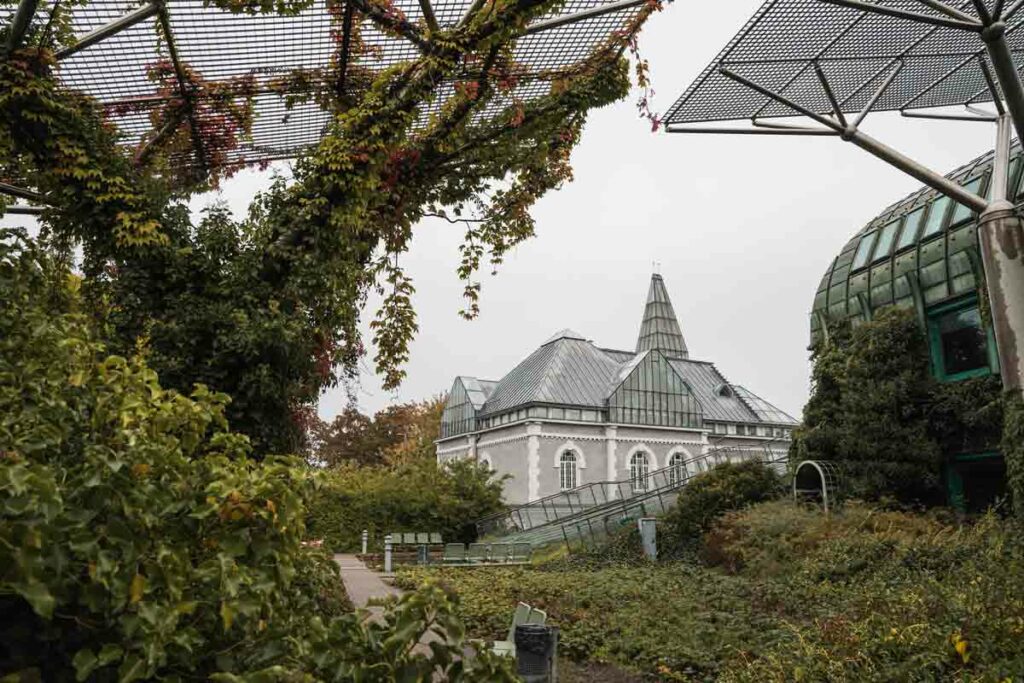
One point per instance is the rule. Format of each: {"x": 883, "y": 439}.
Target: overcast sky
{"x": 743, "y": 228}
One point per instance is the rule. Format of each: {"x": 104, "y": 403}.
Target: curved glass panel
{"x": 911, "y": 226}
{"x": 885, "y": 239}
{"x": 936, "y": 215}
{"x": 961, "y": 212}
{"x": 864, "y": 250}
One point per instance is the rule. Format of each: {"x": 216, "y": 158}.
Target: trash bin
{"x": 535, "y": 652}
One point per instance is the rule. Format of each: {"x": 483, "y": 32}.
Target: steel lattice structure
{"x": 834, "y": 62}
{"x": 118, "y": 40}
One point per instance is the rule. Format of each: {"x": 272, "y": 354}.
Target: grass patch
{"x": 785, "y": 594}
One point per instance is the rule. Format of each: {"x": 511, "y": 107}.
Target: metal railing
{"x": 597, "y": 495}
{"x": 599, "y": 523}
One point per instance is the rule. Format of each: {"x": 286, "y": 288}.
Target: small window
{"x": 567, "y": 471}
{"x": 864, "y": 250}
{"x": 572, "y": 414}
{"x": 677, "y": 472}
{"x": 936, "y": 216}
{"x": 557, "y": 413}
{"x": 911, "y": 226}
{"x": 639, "y": 469}
{"x": 724, "y": 390}
{"x": 885, "y": 239}
{"x": 961, "y": 212}
{"x": 959, "y": 343}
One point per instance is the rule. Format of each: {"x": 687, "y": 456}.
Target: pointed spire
{"x": 660, "y": 327}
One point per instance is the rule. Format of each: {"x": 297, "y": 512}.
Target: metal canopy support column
{"x": 113, "y": 28}
{"x": 1001, "y": 236}
{"x": 19, "y": 26}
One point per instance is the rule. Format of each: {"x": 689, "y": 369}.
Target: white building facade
{"x": 573, "y": 413}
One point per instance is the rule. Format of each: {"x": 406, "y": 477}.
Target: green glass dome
{"x": 921, "y": 252}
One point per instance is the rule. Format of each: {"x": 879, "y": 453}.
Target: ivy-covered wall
{"x": 876, "y": 409}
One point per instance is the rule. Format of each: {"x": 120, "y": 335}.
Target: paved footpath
{"x": 361, "y": 583}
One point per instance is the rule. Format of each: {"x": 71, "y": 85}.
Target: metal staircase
{"x": 593, "y": 510}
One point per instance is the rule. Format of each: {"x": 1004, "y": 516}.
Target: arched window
{"x": 677, "y": 472}
{"x": 639, "y": 467}
{"x": 567, "y": 470}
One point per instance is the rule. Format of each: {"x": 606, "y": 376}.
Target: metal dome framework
{"x": 834, "y": 62}
{"x": 253, "y": 55}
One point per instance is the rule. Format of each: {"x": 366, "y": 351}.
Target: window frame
{"x": 933, "y": 315}
{"x": 639, "y": 481}
{"x": 568, "y": 468}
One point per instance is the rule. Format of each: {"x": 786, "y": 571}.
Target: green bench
{"x": 487, "y": 554}
{"x": 524, "y": 614}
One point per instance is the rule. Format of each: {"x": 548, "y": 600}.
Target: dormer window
{"x": 724, "y": 391}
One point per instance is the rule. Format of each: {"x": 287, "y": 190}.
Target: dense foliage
{"x": 266, "y": 308}
{"x": 876, "y": 409}
{"x": 138, "y": 540}
{"x": 394, "y": 435}
{"x": 415, "y": 495}
{"x": 786, "y": 594}
{"x": 708, "y": 496}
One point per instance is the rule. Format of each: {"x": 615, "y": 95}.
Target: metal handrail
{"x": 674, "y": 476}
{"x": 624, "y": 506}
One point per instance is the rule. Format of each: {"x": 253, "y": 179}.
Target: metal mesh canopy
{"x": 938, "y": 66}
{"x": 256, "y": 52}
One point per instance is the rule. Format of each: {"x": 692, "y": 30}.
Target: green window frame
{"x": 947, "y": 324}
{"x": 911, "y": 226}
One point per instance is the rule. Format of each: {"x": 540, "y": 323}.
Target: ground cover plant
{"x": 784, "y": 593}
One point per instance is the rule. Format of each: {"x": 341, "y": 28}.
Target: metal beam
{"x": 947, "y": 10}
{"x": 346, "y": 43}
{"x": 820, "y": 118}
{"x": 21, "y": 210}
{"x": 1006, "y": 73}
{"x": 1012, "y": 9}
{"x": 878, "y": 94}
{"x": 20, "y": 192}
{"x": 183, "y": 85}
{"x": 947, "y": 117}
{"x": 910, "y": 16}
{"x": 836, "y": 109}
{"x": 598, "y": 11}
{"x": 428, "y": 15}
{"x": 751, "y": 131}
{"x": 19, "y": 26}
{"x": 997, "y": 98}
{"x": 113, "y": 28}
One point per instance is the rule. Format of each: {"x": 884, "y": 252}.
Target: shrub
{"x": 729, "y": 486}
{"x": 137, "y": 538}
{"x": 413, "y": 495}
{"x": 876, "y": 410}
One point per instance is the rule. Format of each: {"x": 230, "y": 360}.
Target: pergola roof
{"x": 935, "y": 64}
{"x": 229, "y": 48}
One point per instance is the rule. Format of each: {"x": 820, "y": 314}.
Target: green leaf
{"x": 84, "y": 662}
{"x": 39, "y": 596}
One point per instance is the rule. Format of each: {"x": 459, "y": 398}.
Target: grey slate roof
{"x": 704, "y": 380}
{"x": 764, "y": 410}
{"x": 566, "y": 370}
{"x": 660, "y": 327}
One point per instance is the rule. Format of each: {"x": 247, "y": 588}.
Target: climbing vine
{"x": 267, "y": 308}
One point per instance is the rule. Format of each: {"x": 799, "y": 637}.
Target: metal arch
{"x": 828, "y": 475}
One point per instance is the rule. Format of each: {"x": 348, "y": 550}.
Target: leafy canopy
{"x": 265, "y": 308}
